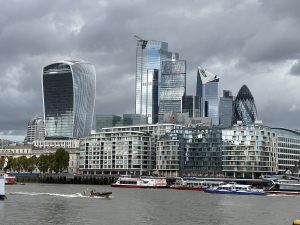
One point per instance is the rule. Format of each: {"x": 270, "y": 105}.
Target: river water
{"x": 63, "y": 204}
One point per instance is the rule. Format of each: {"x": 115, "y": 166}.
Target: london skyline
{"x": 250, "y": 42}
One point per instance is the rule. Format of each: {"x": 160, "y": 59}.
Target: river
{"x": 33, "y": 204}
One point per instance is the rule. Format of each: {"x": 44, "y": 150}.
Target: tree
{"x": 43, "y": 163}
{"x": 32, "y": 163}
{"x": 61, "y": 160}
{"x": 24, "y": 163}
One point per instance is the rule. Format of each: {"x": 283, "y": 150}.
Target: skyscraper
{"x": 244, "y": 106}
{"x": 149, "y": 57}
{"x": 173, "y": 87}
{"x": 69, "y": 89}
{"x": 226, "y": 109}
{"x": 208, "y": 89}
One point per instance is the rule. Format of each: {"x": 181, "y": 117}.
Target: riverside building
{"x": 288, "y": 149}
{"x": 69, "y": 89}
{"x": 193, "y": 151}
{"x": 249, "y": 151}
{"x": 123, "y": 150}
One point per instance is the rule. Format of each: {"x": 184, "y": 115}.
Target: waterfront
{"x": 63, "y": 204}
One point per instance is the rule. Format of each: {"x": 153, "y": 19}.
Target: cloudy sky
{"x": 245, "y": 42}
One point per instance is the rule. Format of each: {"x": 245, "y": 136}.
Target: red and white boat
{"x": 142, "y": 182}
{"x": 8, "y": 179}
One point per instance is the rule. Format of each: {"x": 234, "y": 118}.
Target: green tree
{"x": 61, "y": 158}
{"x": 24, "y": 163}
{"x": 32, "y": 163}
{"x": 43, "y": 163}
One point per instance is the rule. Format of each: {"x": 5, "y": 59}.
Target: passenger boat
{"x": 2, "y": 187}
{"x": 142, "y": 182}
{"x": 10, "y": 179}
{"x": 234, "y": 188}
{"x": 194, "y": 184}
{"x": 282, "y": 184}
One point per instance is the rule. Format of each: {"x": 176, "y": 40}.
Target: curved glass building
{"x": 69, "y": 90}
{"x": 244, "y": 107}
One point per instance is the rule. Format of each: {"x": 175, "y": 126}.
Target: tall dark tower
{"x": 244, "y": 107}
{"x": 69, "y": 89}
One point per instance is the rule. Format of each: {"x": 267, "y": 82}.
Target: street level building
{"x": 249, "y": 151}
{"x": 69, "y": 89}
{"x": 288, "y": 149}
{"x": 124, "y": 150}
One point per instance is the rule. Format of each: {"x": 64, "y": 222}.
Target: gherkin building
{"x": 244, "y": 107}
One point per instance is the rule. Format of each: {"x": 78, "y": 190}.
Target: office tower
{"x": 173, "y": 87}
{"x": 106, "y": 121}
{"x": 69, "y": 89}
{"x": 244, "y": 107}
{"x": 149, "y": 57}
{"x": 191, "y": 105}
{"x": 35, "y": 130}
{"x": 208, "y": 90}
{"x": 226, "y": 109}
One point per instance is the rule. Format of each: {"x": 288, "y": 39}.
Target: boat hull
{"x": 233, "y": 192}
{"x": 189, "y": 188}
{"x": 2, "y": 197}
{"x": 136, "y": 186}
{"x": 10, "y": 180}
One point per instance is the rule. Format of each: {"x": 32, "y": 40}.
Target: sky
{"x": 248, "y": 42}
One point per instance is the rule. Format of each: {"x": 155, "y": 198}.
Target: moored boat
{"x": 282, "y": 184}
{"x": 142, "y": 182}
{"x": 10, "y": 179}
{"x": 234, "y": 188}
{"x": 194, "y": 184}
{"x": 2, "y": 187}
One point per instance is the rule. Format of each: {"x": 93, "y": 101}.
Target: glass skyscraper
{"x": 208, "y": 89}
{"x": 149, "y": 57}
{"x": 69, "y": 89}
{"x": 244, "y": 107}
{"x": 173, "y": 87}
{"x": 226, "y": 109}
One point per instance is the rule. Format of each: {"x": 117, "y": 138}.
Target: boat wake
{"x": 76, "y": 195}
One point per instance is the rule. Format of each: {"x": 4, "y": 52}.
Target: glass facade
{"x": 208, "y": 84}
{"x": 249, "y": 151}
{"x": 244, "y": 107}
{"x": 288, "y": 149}
{"x": 191, "y": 105}
{"x": 149, "y": 57}
{"x": 226, "y": 109}
{"x": 190, "y": 152}
{"x": 173, "y": 87}
{"x": 106, "y": 121}
{"x": 69, "y": 89}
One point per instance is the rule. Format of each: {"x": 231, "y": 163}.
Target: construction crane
{"x": 140, "y": 39}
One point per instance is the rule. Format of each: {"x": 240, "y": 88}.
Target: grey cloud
{"x": 295, "y": 70}
{"x": 241, "y": 41}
